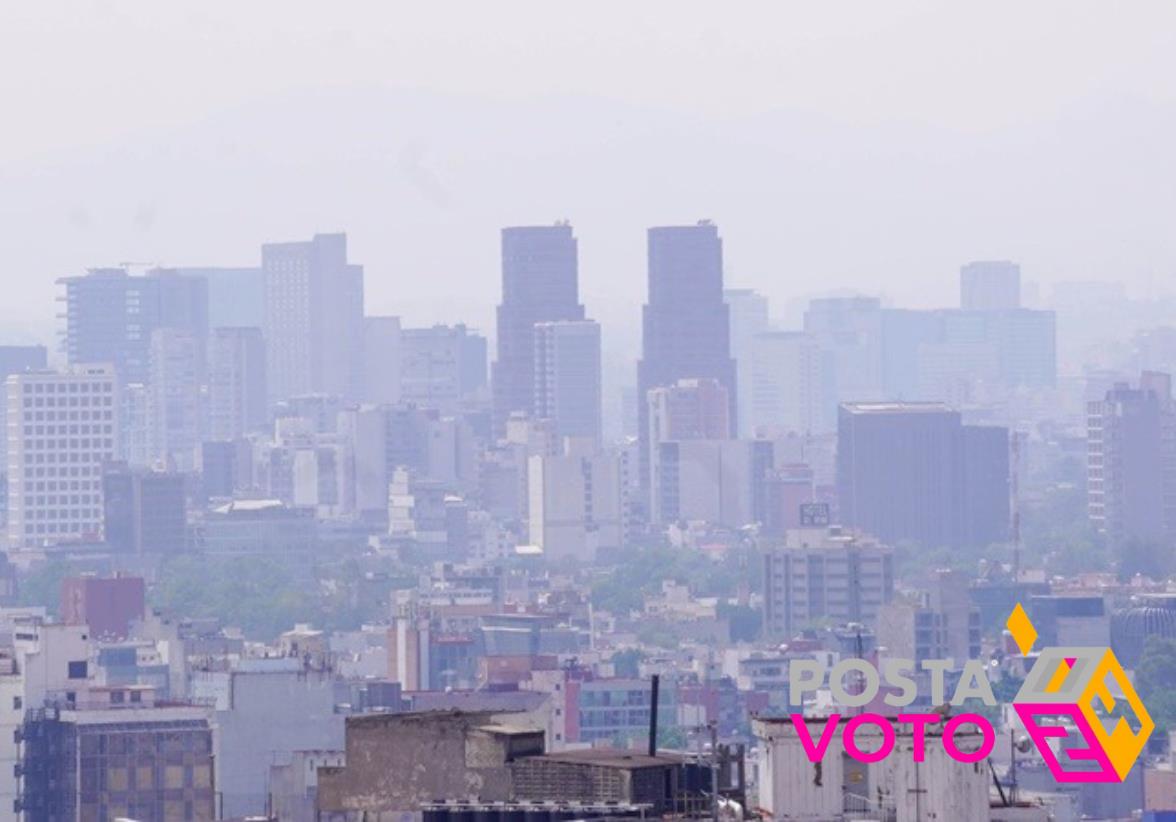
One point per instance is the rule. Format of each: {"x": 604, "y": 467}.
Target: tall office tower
{"x": 62, "y": 428}
{"x": 825, "y": 574}
{"x": 851, "y": 329}
{"x": 236, "y": 383}
{"x": 685, "y": 324}
{"x": 913, "y": 472}
{"x": 567, "y": 377}
{"x": 990, "y": 285}
{"x": 1131, "y": 461}
{"x": 380, "y": 383}
{"x": 749, "y": 317}
{"x": 175, "y": 404}
{"x": 791, "y": 385}
{"x": 540, "y": 283}
{"x": 441, "y": 367}
{"x": 314, "y": 318}
{"x": 109, "y": 316}
{"x": 236, "y": 296}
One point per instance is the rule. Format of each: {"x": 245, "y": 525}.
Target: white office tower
{"x": 567, "y": 377}
{"x": 62, "y": 427}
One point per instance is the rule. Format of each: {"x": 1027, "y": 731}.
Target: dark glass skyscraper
{"x": 913, "y": 472}
{"x": 685, "y": 325}
{"x": 540, "y": 283}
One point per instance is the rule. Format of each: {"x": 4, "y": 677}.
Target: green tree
{"x": 1144, "y": 558}
{"x": 1154, "y": 677}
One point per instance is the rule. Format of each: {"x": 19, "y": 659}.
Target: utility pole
{"x": 714, "y": 763}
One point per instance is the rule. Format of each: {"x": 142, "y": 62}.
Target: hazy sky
{"x": 871, "y": 145}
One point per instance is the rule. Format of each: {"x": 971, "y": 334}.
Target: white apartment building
{"x": 62, "y": 427}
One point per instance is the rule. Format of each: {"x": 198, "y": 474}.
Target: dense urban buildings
{"x": 110, "y": 316}
{"x": 496, "y": 565}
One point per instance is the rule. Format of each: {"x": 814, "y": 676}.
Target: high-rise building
{"x": 441, "y": 367}
{"x": 748, "y": 311}
{"x": 850, "y": 329}
{"x": 1131, "y": 461}
{"x": 381, "y": 377}
{"x": 790, "y": 385}
{"x": 567, "y": 377}
{"x": 990, "y": 285}
{"x": 144, "y": 511}
{"x": 913, "y": 472}
{"x": 685, "y": 323}
{"x": 110, "y": 316}
{"x": 62, "y": 428}
{"x": 824, "y": 575}
{"x": 540, "y": 283}
{"x": 314, "y": 318}
{"x": 237, "y": 402}
{"x": 175, "y": 407}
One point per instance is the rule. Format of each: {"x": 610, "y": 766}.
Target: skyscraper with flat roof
{"x": 540, "y": 283}
{"x": 314, "y": 318}
{"x": 685, "y": 323}
{"x": 913, "y": 472}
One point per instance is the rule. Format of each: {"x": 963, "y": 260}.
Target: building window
{"x": 77, "y": 670}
